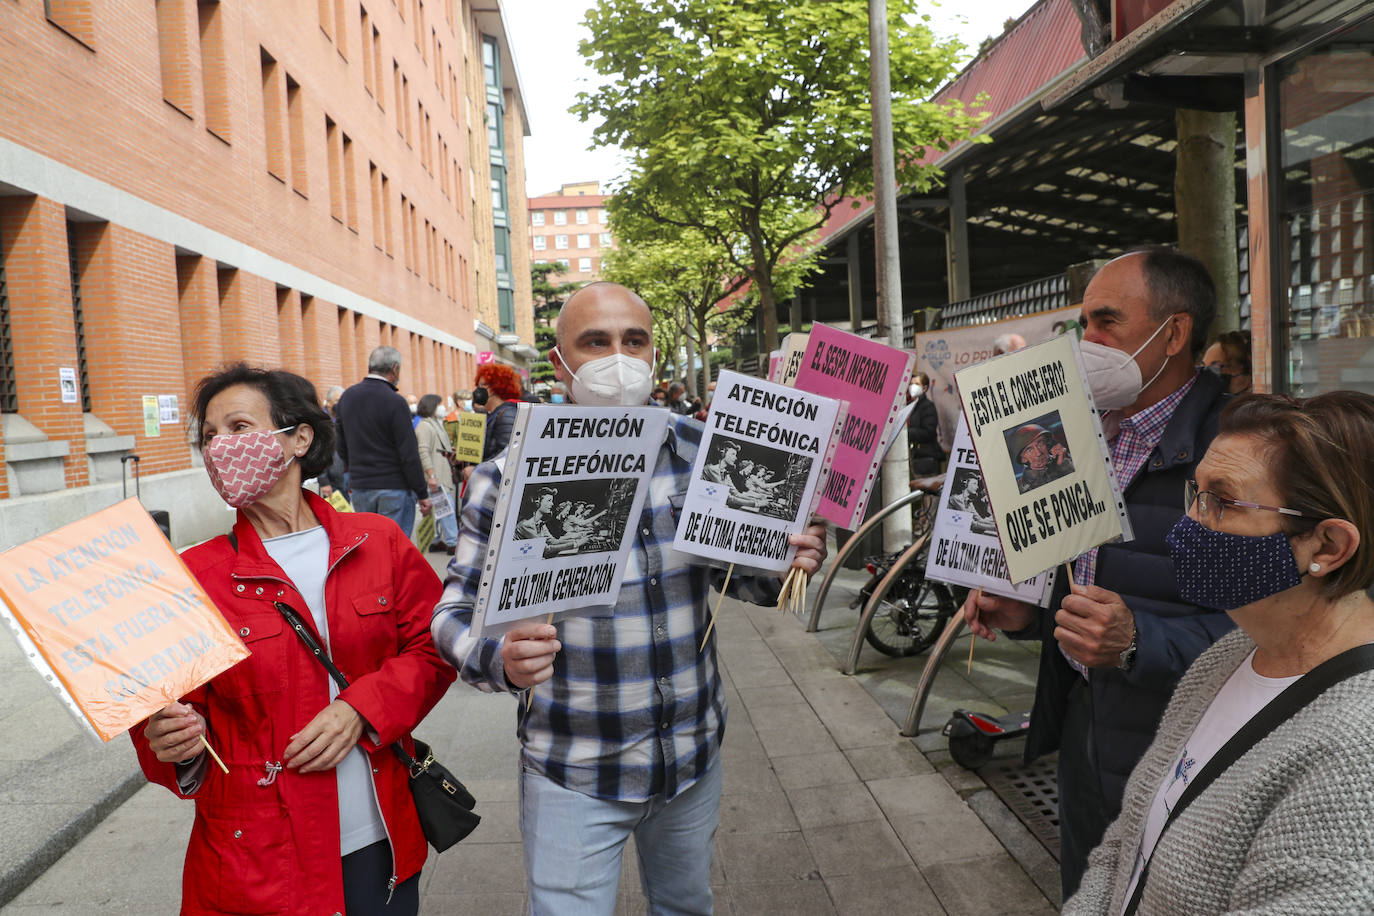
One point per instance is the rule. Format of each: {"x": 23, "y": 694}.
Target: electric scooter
{"x": 973, "y": 735}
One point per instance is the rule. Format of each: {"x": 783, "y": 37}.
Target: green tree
{"x": 687, "y": 283}
{"x": 749, "y": 121}
{"x": 548, "y": 299}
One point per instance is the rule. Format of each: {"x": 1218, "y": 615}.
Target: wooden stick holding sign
{"x": 214, "y": 755}
{"x": 529, "y": 695}
{"x": 973, "y": 638}
{"x": 724, "y": 585}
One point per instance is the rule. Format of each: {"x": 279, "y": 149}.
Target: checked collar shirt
{"x": 633, "y": 710}
{"x": 1135, "y": 439}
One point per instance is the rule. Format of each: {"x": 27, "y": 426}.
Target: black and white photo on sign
{"x": 576, "y": 516}
{"x": 756, "y": 478}
{"x": 1038, "y": 451}
{"x": 967, "y": 495}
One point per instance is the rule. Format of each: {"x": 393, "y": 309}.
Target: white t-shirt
{"x": 1243, "y": 695}
{"x": 304, "y": 557}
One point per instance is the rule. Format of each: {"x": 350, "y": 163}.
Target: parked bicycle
{"x": 914, "y": 611}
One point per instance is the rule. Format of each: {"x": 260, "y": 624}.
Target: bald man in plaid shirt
{"x": 623, "y": 732}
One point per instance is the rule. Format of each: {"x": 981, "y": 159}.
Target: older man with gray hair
{"x": 378, "y": 444}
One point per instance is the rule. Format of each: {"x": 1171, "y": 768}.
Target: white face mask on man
{"x": 1113, "y": 376}
{"x": 611, "y": 381}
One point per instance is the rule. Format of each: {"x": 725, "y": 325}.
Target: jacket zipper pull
{"x": 272, "y": 768}
{"x": 390, "y": 889}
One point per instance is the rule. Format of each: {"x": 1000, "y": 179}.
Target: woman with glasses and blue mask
{"x": 1257, "y": 794}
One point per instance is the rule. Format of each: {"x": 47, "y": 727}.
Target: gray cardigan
{"x": 1289, "y": 828}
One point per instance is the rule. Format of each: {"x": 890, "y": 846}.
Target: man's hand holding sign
{"x": 1053, "y": 493}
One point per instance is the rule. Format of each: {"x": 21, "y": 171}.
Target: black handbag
{"x": 442, "y": 803}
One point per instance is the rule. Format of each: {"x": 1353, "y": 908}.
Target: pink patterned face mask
{"x": 244, "y": 466}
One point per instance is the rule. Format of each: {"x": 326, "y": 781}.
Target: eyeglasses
{"x": 1211, "y": 507}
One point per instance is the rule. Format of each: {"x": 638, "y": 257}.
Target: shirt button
{"x": 664, "y": 725}
{"x": 238, "y": 834}
{"x": 240, "y": 588}
{"x": 280, "y": 592}
{"x": 243, "y": 631}
{"x": 658, "y": 630}
{"x": 653, "y": 581}
{"x": 382, "y": 601}
{"x": 663, "y": 681}
{"x": 644, "y": 530}
{"x": 259, "y": 589}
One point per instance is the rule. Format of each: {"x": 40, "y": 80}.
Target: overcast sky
{"x": 545, "y": 34}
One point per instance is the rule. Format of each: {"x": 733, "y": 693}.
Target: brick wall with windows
{"x": 570, "y": 226}
{"x": 239, "y": 172}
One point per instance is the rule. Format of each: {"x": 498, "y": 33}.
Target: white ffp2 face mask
{"x": 611, "y": 381}
{"x": 1113, "y": 376}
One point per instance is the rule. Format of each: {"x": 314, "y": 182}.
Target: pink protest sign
{"x": 873, "y": 378}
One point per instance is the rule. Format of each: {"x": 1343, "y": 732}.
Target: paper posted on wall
{"x": 764, "y": 451}
{"x": 572, "y": 481}
{"x": 872, "y": 378}
{"x": 1045, "y": 462}
{"x": 964, "y": 549}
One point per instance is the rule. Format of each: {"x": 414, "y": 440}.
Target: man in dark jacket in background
{"x": 379, "y": 446}
{"x": 1116, "y": 647}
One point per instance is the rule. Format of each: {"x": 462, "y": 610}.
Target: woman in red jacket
{"x": 315, "y": 814}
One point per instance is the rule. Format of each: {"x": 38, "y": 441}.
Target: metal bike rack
{"x": 880, "y": 592}
{"x": 850, "y": 546}
{"x": 934, "y": 659}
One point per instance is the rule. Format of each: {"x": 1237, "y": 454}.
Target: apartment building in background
{"x": 571, "y": 228}
{"x": 185, "y": 183}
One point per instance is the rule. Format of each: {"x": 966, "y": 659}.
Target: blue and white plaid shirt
{"x": 633, "y": 709}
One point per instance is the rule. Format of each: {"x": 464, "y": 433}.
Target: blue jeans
{"x": 573, "y": 847}
{"x": 397, "y": 505}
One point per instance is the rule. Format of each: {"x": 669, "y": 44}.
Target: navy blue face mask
{"x": 1225, "y": 571}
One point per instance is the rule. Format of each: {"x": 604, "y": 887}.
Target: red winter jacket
{"x": 274, "y": 849}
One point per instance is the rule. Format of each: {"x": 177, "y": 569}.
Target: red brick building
{"x": 188, "y": 182}
{"x": 571, "y": 227}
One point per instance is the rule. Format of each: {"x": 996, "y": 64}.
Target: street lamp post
{"x": 895, "y": 470}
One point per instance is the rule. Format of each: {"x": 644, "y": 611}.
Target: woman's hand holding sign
{"x": 528, "y": 650}
{"x": 1094, "y": 626}
{"x": 174, "y": 733}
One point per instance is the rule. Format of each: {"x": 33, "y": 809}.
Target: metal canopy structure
{"x": 1052, "y": 189}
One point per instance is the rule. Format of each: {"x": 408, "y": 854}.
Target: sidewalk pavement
{"x": 826, "y": 808}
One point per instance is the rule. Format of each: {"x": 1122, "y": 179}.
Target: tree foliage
{"x": 690, "y": 285}
{"x": 548, "y": 299}
{"x": 749, "y": 122}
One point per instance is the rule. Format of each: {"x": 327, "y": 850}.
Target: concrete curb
{"x": 17, "y": 875}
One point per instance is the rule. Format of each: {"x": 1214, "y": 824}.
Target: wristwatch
{"x": 1128, "y": 654}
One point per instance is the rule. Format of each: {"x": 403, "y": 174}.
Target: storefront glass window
{"x": 1326, "y": 103}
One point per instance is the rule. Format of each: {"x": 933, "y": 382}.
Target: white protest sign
{"x": 572, "y": 481}
{"x": 964, "y": 549}
{"x": 784, "y": 372}
{"x": 1043, "y": 456}
{"x": 754, "y": 481}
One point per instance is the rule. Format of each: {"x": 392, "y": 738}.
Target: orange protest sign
{"x": 116, "y": 617}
